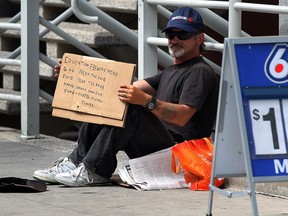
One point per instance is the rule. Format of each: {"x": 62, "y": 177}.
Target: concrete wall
{"x": 283, "y": 19}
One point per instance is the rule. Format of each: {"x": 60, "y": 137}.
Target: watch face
{"x": 151, "y": 106}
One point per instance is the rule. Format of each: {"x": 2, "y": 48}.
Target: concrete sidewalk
{"x": 20, "y": 159}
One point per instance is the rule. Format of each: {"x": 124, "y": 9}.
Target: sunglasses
{"x": 182, "y": 35}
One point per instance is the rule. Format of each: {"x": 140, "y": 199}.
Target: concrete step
{"x": 45, "y": 71}
{"x": 92, "y": 35}
{"x": 125, "y": 11}
{"x": 123, "y": 6}
{"x": 14, "y": 108}
{"x": 54, "y": 46}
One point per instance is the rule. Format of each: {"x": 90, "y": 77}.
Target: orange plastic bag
{"x": 195, "y": 157}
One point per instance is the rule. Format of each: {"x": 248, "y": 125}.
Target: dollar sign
{"x": 256, "y": 114}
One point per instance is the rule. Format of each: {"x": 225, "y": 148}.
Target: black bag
{"x": 19, "y": 185}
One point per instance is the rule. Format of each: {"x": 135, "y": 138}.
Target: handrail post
{"x": 29, "y": 69}
{"x": 234, "y": 25}
{"x": 147, "y": 27}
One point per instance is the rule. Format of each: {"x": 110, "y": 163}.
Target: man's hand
{"x": 56, "y": 69}
{"x": 178, "y": 114}
{"x": 133, "y": 95}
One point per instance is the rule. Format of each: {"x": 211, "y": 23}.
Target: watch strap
{"x": 151, "y": 104}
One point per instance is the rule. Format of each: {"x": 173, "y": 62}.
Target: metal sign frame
{"x": 254, "y": 82}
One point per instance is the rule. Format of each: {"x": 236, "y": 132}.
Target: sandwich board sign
{"x": 252, "y": 119}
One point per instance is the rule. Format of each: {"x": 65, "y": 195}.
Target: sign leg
{"x": 210, "y": 203}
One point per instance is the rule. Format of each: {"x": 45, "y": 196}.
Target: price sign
{"x": 268, "y": 125}
{"x": 251, "y": 133}
{"x": 264, "y": 92}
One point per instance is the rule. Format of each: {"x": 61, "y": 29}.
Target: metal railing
{"x": 147, "y": 41}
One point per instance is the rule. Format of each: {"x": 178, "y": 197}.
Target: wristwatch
{"x": 151, "y": 104}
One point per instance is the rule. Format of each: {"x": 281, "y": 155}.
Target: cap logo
{"x": 189, "y": 19}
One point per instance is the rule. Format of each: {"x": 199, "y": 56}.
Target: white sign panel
{"x": 268, "y": 126}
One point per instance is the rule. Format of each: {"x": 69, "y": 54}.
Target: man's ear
{"x": 200, "y": 39}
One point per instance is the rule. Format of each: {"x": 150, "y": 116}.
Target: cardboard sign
{"x": 87, "y": 90}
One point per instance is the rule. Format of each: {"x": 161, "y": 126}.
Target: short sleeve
{"x": 197, "y": 87}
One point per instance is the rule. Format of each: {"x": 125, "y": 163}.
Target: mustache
{"x": 174, "y": 46}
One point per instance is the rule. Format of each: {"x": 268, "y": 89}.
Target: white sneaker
{"x": 63, "y": 164}
{"x": 80, "y": 177}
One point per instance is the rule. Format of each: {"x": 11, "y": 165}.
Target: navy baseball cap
{"x": 187, "y": 19}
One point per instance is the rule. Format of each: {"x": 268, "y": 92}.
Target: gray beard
{"x": 176, "y": 54}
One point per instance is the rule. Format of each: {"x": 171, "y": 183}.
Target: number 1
{"x": 270, "y": 116}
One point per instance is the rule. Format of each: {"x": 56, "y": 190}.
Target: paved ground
{"x": 20, "y": 159}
